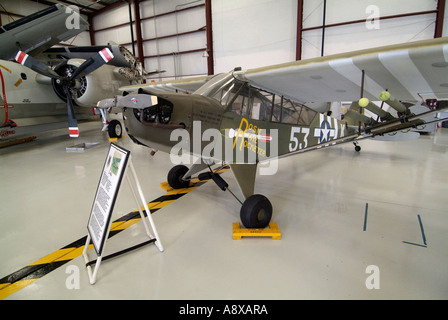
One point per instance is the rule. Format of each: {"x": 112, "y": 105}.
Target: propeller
{"x": 67, "y": 82}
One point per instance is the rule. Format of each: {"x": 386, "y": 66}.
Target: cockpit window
{"x": 258, "y": 104}
{"x": 243, "y": 99}
{"x": 228, "y": 92}
{"x": 222, "y": 87}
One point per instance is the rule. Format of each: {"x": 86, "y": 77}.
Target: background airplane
{"x": 261, "y": 114}
{"x": 33, "y": 98}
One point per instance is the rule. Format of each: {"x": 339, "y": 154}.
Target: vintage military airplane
{"x": 39, "y": 31}
{"x": 52, "y": 83}
{"x": 245, "y": 117}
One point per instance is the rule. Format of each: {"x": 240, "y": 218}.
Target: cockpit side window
{"x": 239, "y": 105}
{"x": 260, "y": 104}
{"x": 241, "y": 98}
{"x": 296, "y": 113}
{"x": 277, "y": 109}
{"x": 290, "y": 112}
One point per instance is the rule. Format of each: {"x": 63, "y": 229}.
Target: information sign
{"x": 106, "y": 194}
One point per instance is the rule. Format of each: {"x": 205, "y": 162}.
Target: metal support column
{"x": 209, "y": 29}
{"x": 299, "y": 29}
{"x": 130, "y": 27}
{"x": 138, "y": 31}
{"x": 91, "y": 31}
{"x": 439, "y": 18}
{"x": 323, "y": 28}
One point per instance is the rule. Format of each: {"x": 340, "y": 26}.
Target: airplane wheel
{"x": 175, "y": 176}
{"x": 357, "y": 148}
{"x": 256, "y": 212}
{"x": 114, "y": 129}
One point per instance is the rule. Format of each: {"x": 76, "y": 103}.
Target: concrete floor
{"x": 329, "y": 248}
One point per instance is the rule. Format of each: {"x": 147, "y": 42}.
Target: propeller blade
{"x": 36, "y": 65}
{"x": 72, "y": 123}
{"x": 93, "y": 63}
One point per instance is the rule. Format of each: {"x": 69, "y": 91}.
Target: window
{"x": 227, "y": 93}
{"x": 260, "y": 104}
{"x": 306, "y": 116}
{"x": 239, "y": 105}
{"x": 290, "y": 112}
{"x": 277, "y": 109}
{"x": 240, "y": 98}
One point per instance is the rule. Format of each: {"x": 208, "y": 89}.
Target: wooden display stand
{"x": 272, "y": 231}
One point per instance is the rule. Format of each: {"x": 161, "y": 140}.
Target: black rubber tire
{"x": 114, "y": 129}
{"x": 256, "y": 212}
{"x": 175, "y": 177}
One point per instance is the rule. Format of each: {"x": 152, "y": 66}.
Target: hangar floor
{"x": 329, "y": 241}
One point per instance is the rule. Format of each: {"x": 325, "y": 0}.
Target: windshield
{"x": 222, "y": 88}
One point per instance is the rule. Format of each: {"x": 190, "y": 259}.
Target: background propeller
{"x": 67, "y": 82}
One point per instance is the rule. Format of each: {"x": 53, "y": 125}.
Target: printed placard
{"x": 106, "y": 194}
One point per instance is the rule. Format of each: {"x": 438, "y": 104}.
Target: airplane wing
{"x": 188, "y": 85}
{"x": 413, "y": 71}
{"x": 122, "y": 56}
{"x": 39, "y": 31}
{"x": 410, "y": 72}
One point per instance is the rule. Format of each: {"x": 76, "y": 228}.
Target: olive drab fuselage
{"x": 229, "y": 120}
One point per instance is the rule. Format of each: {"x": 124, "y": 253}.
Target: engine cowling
{"x": 88, "y": 90}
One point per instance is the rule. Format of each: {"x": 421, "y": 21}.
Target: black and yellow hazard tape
{"x": 36, "y": 270}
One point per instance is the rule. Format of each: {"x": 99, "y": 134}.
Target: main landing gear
{"x": 256, "y": 210}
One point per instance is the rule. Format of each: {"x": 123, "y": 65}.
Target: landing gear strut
{"x": 256, "y": 210}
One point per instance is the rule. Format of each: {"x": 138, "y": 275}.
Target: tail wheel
{"x": 256, "y": 212}
{"x": 114, "y": 129}
{"x": 175, "y": 176}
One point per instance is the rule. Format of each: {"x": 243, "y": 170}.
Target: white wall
{"x": 184, "y": 21}
{"x": 163, "y": 51}
{"x": 252, "y": 33}
{"x": 367, "y": 34}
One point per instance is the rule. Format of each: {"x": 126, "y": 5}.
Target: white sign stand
{"x": 117, "y": 161}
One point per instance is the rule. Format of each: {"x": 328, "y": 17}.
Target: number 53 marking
{"x": 294, "y": 144}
